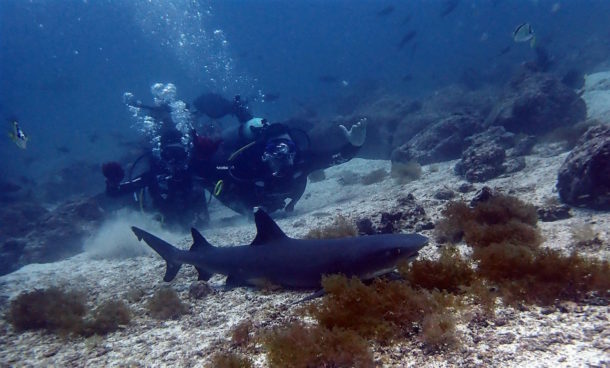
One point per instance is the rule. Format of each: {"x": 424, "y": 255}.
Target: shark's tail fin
{"x": 165, "y": 250}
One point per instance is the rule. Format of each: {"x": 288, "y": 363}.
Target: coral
{"x": 52, "y": 309}
{"x": 230, "y": 360}
{"x": 450, "y": 272}
{"x": 340, "y": 228}
{"x": 108, "y": 317}
{"x": 298, "y": 345}
{"x": 405, "y": 172}
{"x": 165, "y": 304}
{"x": 373, "y": 177}
{"x": 384, "y": 310}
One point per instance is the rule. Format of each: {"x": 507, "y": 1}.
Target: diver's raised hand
{"x": 356, "y": 135}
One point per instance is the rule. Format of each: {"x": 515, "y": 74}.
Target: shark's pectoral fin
{"x": 318, "y": 294}
{"x": 203, "y": 274}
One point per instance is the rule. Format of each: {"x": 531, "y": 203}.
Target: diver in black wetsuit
{"x": 259, "y": 164}
{"x": 275, "y": 167}
{"x": 168, "y": 179}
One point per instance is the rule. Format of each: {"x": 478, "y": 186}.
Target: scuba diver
{"x": 259, "y": 164}
{"x": 273, "y": 169}
{"x": 167, "y": 183}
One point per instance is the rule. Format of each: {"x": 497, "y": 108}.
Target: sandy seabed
{"x": 576, "y": 336}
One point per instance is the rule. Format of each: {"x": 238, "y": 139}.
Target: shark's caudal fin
{"x": 165, "y": 250}
{"x": 266, "y": 229}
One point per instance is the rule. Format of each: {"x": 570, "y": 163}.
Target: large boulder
{"x": 537, "y": 103}
{"x": 584, "y": 177}
{"x": 443, "y": 141}
{"x": 485, "y": 158}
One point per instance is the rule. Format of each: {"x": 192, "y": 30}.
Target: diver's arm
{"x": 297, "y": 193}
{"x": 127, "y": 187}
{"x": 322, "y": 160}
{"x": 355, "y": 137}
{"x": 240, "y": 110}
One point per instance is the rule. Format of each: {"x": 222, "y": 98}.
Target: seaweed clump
{"x": 51, "y": 309}
{"x": 230, "y": 360}
{"x": 542, "y": 276}
{"x": 60, "y": 311}
{"x": 405, "y": 172}
{"x": 298, "y": 345}
{"x": 165, "y": 304}
{"x": 451, "y": 272}
{"x": 383, "y": 310}
{"x": 500, "y": 219}
{"x": 373, "y": 177}
{"x": 506, "y": 247}
{"x": 108, "y": 317}
{"x": 340, "y": 228}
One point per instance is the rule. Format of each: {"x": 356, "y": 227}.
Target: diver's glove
{"x": 356, "y": 135}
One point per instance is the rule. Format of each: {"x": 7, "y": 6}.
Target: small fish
{"x": 386, "y": 11}
{"x": 406, "y": 19}
{"x": 504, "y": 51}
{"x": 407, "y": 77}
{"x": 18, "y": 136}
{"x": 408, "y": 37}
{"x": 524, "y": 33}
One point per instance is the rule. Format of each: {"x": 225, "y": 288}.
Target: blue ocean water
{"x": 64, "y": 65}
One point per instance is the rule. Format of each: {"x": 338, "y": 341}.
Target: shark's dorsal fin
{"x": 266, "y": 229}
{"x": 199, "y": 241}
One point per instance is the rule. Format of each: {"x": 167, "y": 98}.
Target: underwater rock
{"x": 199, "y": 289}
{"x": 484, "y": 158}
{"x": 537, "y": 103}
{"x": 365, "y": 227}
{"x": 444, "y": 194}
{"x": 483, "y": 195}
{"x": 512, "y": 165}
{"x": 584, "y": 177}
{"x": 42, "y": 236}
{"x": 465, "y": 188}
{"x": 552, "y": 213}
{"x": 443, "y": 141}
{"x": 524, "y": 146}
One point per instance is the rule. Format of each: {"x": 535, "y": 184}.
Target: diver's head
{"x": 253, "y": 127}
{"x": 279, "y": 154}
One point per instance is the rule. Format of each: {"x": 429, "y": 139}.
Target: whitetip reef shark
{"x": 273, "y": 258}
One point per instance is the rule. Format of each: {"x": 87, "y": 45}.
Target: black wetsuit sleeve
{"x": 313, "y": 160}
{"x": 129, "y": 187}
{"x": 297, "y": 193}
